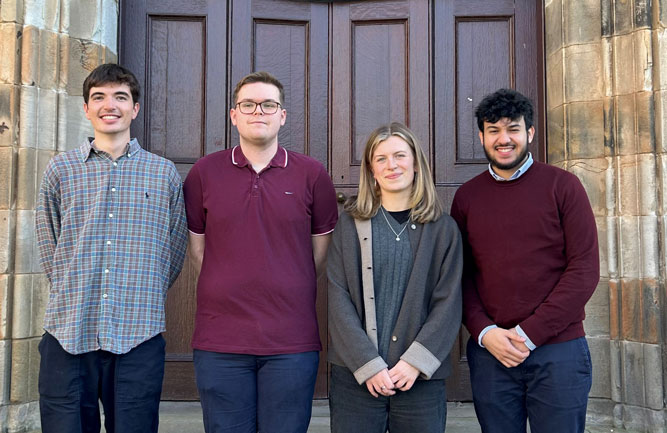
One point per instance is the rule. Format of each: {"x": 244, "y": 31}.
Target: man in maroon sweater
{"x": 530, "y": 265}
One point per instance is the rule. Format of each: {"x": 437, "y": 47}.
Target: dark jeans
{"x": 422, "y": 409}
{"x": 250, "y": 393}
{"x": 550, "y": 388}
{"x": 129, "y": 386}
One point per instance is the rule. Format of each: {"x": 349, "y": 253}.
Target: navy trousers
{"x": 550, "y": 389}
{"x": 129, "y": 386}
{"x": 250, "y": 393}
{"x": 422, "y": 409}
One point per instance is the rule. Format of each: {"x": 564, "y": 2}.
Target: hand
{"x": 403, "y": 375}
{"x": 380, "y": 384}
{"x": 500, "y": 343}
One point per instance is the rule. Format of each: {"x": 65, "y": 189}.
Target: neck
{"x": 114, "y": 144}
{"x": 506, "y": 174}
{"x": 396, "y": 202}
{"x": 259, "y": 156}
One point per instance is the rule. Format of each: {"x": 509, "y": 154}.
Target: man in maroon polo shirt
{"x": 260, "y": 220}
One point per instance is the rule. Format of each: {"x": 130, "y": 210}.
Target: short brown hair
{"x": 111, "y": 73}
{"x": 259, "y": 77}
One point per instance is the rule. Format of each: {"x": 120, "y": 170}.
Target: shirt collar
{"x": 524, "y": 167}
{"x": 87, "y": 147}
{"x": 278, "y": 160}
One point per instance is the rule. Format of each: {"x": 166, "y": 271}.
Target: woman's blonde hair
{"x": 424, "y": 201}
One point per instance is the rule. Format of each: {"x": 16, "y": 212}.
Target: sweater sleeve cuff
{"x": 422, "y": 359}
{"x": 370, "y": 369}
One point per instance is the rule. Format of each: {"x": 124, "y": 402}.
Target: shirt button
{"x": 105, "y": 296}
{"x": 110, "y": 215}
{"x": 413, "y": 227}
{"x": 108, "y": 242}
{"x": 106, "y": 271}
{"x": 113, "y": 189}
{"x": 394, "y": 338}
{"x": 115, "y": 164}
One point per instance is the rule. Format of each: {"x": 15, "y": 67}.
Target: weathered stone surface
{"x": 9, "y": 115}
{"x": 646, "y": 134}
{"x": 599, "y": 348}
{"x": 5, "y": 368}
{"x": 633, "y": 373}
{"x": 556, "y": 134}
{"x": 622, "y": 16}
{"x": 78, "y": 59}
{"x": 553, "y": 28}
{"x": 643, "y": 60}
{"x": 603, "y": 243}
{"x": 40, "y": 300}
{"x": 654, "y": 380}
{"x": 650, "y": 247}
{"x": 631, "y": 309}
{"x": 592, "y": 174}
{"x": 651, "y": 316}
{"x": 644, "y": 420}
{"x": 49, "y": 54}
{"x": 7, "y": 170}
{"x": 7, "y": 229}
{"x": 600, "y": 411}
{"x": 5, "y": 308}
{"x": 25, "y": 369}
{"x": 577, "y": 19}
{"x": 28, "y": 114}
{"x": 12, "y": 11}
{"x": 626, "y": 143}
{"x": 642, "y": 13}
{"x": 583, "y": 72}
{"x": 26, "y": 189}
{"x": 47, "y": 110}
{"x": 30, "y": 56}
{"x": 73, "y": 127}
{"x": 44, "y": 14}
{"x": 555, "y": 80}
{"x": 22, "y": 306}
{"x": 10, "y": 48}
{"x": 24, "y": 418}
{"x": 628, "y": 186}
{"x": 585, "y": 129}
{"x": 26, "y": 259}
{"x": 81, "y": 19}
{"x": 616, "y": 370}
{"x": 597, "y": 313}
{"x": 647, "y": 177}
{"x": 109, "y": 25}
{"x": 624, "y": 67}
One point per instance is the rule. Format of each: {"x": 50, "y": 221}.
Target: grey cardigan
{"x": 430, "y": 315}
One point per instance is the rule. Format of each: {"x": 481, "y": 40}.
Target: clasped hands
{"x": 402, "y": 376}
{"x": 506, "y": 345}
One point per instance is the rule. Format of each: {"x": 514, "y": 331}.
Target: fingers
{"x": 380, "y": 384}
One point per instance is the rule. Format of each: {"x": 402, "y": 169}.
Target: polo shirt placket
{"x": 111, "y": 234}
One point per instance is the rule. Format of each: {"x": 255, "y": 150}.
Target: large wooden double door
{"x": 347, "y": 67}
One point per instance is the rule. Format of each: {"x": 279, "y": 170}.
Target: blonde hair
{"x": 424, "y": 201}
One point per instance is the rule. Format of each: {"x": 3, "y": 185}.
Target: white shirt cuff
{"x": 483, "y": 333}
{"x": 529, "y": 344}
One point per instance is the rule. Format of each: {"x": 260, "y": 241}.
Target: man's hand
{"x": 403, "y": 375}
{"x": 380, "y": 384}
{"x": 519, "y": 345}
{"x": 501, "y": 344}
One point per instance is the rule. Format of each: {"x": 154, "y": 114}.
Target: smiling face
{"x": 506, "y": 144}
{"x": 111, "y": 110}
{"x": 393, "y": 166}
{"x": 258, "y": 129}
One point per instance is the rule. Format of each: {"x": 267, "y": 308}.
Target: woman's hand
{"x": 380, "y": 384}
{"x": 403, "y": 375}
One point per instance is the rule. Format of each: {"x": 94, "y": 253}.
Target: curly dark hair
{"x": 111, "y": 73}
{"x": 504, "y": 103}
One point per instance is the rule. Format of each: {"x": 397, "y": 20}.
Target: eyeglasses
{"x": 267, "y": 107}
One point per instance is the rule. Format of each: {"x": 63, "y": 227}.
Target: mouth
{"x": 505, "y": 149}
{"x": 393, "y": 176}
{"x": 110, "y": 117}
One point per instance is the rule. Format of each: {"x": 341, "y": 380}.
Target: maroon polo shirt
{"x": 257, "y": 287}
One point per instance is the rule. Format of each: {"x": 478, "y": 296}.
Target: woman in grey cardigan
{"x": 394, "y": 269}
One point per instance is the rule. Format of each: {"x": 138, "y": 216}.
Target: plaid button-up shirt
{"x": 112, "y": 239}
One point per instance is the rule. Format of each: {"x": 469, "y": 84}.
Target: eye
{"x": 269, "y": 105}
{"x": 247, "y": 105}
{"x": 380, "y": 159}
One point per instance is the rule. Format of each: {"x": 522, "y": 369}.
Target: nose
{"x": 504, "y": 137}
{"x": 258, "y": 110}
{"x": 392, "y": 162}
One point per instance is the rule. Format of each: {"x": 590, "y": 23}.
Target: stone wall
{"x": 606, "y": 62}
{"x": 47, "y": 48}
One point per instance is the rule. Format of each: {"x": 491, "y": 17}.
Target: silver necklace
{"x": 398, "y": 235}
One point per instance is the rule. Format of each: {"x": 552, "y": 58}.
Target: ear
{"x": 135, "y": 110}
{"x": 283, "y": 116}
{"x": 232, "y": 116}
{"x": 531, "y": 134}
{"x": 85, "y": 110}
{"x": 481, "y": 137}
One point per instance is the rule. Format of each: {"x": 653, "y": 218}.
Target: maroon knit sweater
{"x": 530, "y": 253}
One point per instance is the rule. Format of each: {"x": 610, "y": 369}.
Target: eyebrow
{"x": 121, "y": 92}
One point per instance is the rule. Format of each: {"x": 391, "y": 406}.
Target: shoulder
{"x": 304, "y": 162}
{"x": 445, "y": 225}
{"x": 160, "y": 166}
{"x": 213, "y": 162}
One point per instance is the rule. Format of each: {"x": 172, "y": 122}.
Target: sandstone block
{"x": 650, "y": 315}
{"x": 30, "y": 56}
{"x": 599, "y": 348}
{"x": 7, "y": 170}
{"x": 577, "y": 19}
{"x": 22, "y": 306}
{"x": 592, "y": 174}
{"x": 583, "y": 72}
{"x": 603, "y": 243}
{"x": 40, "y": 300}
{"x": 81, "y": 19}
{"x": 633, "y": 373}
{"x": 628, "y": 185}
{"x": 611, "y": 229}
{"x": 609, "y": 119}
{"x": 660, "y": 35}
{"x": 648, "y": 183}
{"x": 10, "y": 52}
{"x": 623, "y": 18}
{"x": 631, "y": 309}
{"x": 78, "y": 58}
{"x": 555, "y": 80}
{"x": 7, "y": 228}
{"x": 28, "y": 115}
{"x": 642, "y": 13}
{"x": 646, "y": 120}
{"x": 5, "y": 308}
{"x": 597, "y": 313}
{"x": 600, "y": 411}
{"x": 12, "y": 11}
{"x": 626, "y": 143}
{"x": 614, "y": 309}
{"x": 615, "y": 370}
{"x": 23, "y": 418}
{"x": 644, "y": 420}
{"x": 9, "y": 119}
{"x": 26, "y": 257}
{"x": 624, "y": 65}
{"x": 5, "y": 368}
{"x": 73, "y": 127}
{"x": 553, "y": 27}
{"x": 21, "y": 371}
{"x": 556, "y": 134}
{"x": 650, "y": 247}
{"x": 49, "y": 53}
{"x": 607, "y": 19}
{"x": 47, "y": 112}
{"x": 585, "y": 129}
{"x": 26, "y": 188}
{"x": 654, "y": 380}
{"x": 109, "y": 25}
{"x": 43, "y": 14}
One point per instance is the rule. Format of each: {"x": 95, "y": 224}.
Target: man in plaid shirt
{"x": 111, "y": 233}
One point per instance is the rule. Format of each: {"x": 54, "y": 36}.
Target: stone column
{"x": 605, "y": 120}
{"x": 47, "y": 48}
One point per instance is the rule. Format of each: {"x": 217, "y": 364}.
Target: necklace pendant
{"x": 397, "y": 239}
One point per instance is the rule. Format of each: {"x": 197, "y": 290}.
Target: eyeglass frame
{"x": 259, "y": 104}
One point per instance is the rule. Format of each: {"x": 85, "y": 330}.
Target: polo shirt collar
{"x": 278, "y": 160}
{"x": 87, "y": 147}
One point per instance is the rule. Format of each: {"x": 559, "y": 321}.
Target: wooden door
{"x": 479, "y": 46}
{"x": 178, "y": 52}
